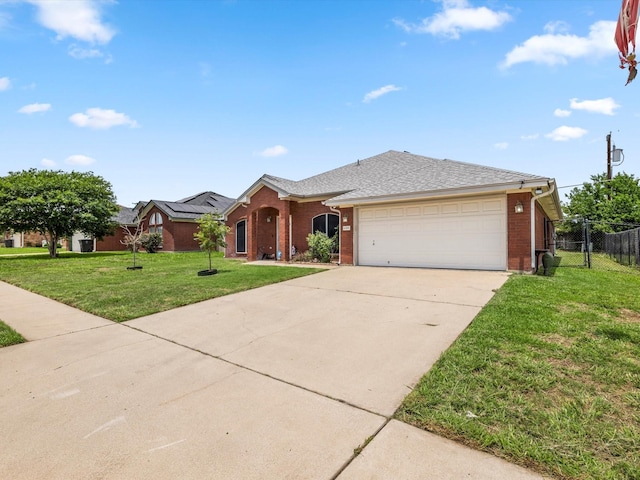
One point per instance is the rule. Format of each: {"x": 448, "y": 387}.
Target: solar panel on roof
{"x": 186, "y": 208}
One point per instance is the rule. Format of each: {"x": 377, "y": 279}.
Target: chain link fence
{"x": 597, "y": 245}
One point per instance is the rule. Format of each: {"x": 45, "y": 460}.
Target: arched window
{"x": 155, "y": 223}
{"x": 327, "y": 223}
{"x": 241, "y": 236}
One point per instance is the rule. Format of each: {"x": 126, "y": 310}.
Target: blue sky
{"x": 169, "y": 98}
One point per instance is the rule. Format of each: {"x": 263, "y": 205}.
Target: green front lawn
{"x": 547, "y": 376}
{"x": 25, "y": 250}
{"x": 100, "y": 283}
{"x": 8, "y": 336}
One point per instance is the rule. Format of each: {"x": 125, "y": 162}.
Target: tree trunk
{"x": 53, "y": 244}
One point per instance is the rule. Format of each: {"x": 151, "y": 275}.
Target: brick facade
{"x": 519, "y": 232}
{"x": 112, "y": 242}
{"x": 177, "y": 236}
{"x": 267, "y": 215}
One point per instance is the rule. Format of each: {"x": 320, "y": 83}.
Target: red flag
{"x": 626, "y": 34}
{"x": 626, "y": 27}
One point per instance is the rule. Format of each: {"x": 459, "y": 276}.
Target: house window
{"x": 241, "y": 236}
{"x": 327, "y": 223}
{"x": 155, "y": 223}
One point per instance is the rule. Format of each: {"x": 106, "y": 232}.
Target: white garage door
{"x": 465, "y": 234}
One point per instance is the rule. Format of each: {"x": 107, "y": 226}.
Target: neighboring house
{"x": 126, "y": 217}
{"x": 400, "y": 209}
{"x": 28, "y": 239}
{"x": 175, "y": 221}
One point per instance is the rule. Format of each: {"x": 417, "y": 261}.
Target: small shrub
{"x": 151, "y": 242}
{"x": 321, "y": 246}
{"x": 302, "y": 257}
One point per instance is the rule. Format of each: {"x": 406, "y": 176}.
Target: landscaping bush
{"x": 151, "y": 242}
{"x": 302, "y": 257}
{"x": 321, "y": 246}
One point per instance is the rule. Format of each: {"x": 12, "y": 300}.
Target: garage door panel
{"x": 463, "y": 234}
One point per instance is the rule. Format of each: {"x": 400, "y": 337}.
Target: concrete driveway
{"x": 279, "y": 382}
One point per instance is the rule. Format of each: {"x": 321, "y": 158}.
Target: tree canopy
{"x": 612, "y": 204}
{"x": 56, "y": 204}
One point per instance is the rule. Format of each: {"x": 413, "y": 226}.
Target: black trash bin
{"x": 8, "y": 243}
{"x": 86, "y": 246}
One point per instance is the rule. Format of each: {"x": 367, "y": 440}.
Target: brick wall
{"x": 346, "y": 237}
{"x": 234, "y": 217}
{"x": 34, "y": 239}
{"x": 519, "y": 233}
{"x": 302, "y": 222}
{"x": 112, "y": 242}
{"x": 182, "y": 235}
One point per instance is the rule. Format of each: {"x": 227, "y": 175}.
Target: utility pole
{"x": 609, "y": 156}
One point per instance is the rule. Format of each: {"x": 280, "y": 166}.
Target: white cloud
{"x": 101, "y": 119}
{"x": 558, "y": 112}
{"x": 5, "y": 83}
{"x": 558, "y": 48}
{"x": 80, "y": 53}
{"x": 564, "y": 133}
{"x": 81, "y": 160}
{"x": 606, "y": 106}
{"x": 557, "y": 26}
{"x": 45, "y": 162}
{"x": 533, "y": 136}
{"x": 35, "y": 108}
{"x": 379, "y": 92}
{"x": 274, "y": 151}
{"x": 457, "y": 16}
{"x": 501, "y": 146}
{"x": 79, "y": 19}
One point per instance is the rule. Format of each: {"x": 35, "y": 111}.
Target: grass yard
{"x": 546, "y": 376}
{"x": 26, "y": 250}
{"x": 8, "y": 336}
{"x": 100, "y": 283}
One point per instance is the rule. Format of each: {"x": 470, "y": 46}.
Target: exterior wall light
{"x": 538, "y": 190}
{"x": 519, "y": 208}
{"x": 345, "y": 218}
{"x": 269, "y": 219}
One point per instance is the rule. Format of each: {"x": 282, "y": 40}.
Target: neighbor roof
{"x": 211, "y": 199}
{"x": 191, "y": 208}
{"x": 126, "y": 216}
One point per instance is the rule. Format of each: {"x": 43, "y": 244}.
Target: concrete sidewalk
{"x": 283, "y": 381}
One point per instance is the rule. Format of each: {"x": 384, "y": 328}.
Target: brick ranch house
{"x": 404, "y": 210}
{"x": 175, "y": 221}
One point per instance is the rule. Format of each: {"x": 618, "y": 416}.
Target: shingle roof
{"x": 190, "y": 208}
{"x": 211, "y": 199}
{"x": 126, "y": 216}
{"x": 397, "y": 173}
{"x": 182, "y": 211}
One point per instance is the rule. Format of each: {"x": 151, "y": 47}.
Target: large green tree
{"x": 56, "y": 204}
{"x": 612, "y": 205}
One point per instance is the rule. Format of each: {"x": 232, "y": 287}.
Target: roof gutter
{"x": 534, "y": 198}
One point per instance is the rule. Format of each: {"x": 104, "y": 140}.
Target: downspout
{"x": 534, "y": 198}
{"x": 290, "y": 238}
{"x": 335, "y": 210}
